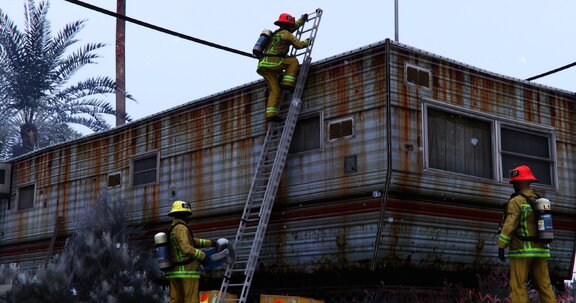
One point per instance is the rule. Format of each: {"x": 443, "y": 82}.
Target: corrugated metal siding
{"x": 324, "y": 218}
{"x": 471, "y": 89}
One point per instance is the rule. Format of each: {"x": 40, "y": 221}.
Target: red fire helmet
{"x": 285, "y": 18}
{"x": 522, "y": 173}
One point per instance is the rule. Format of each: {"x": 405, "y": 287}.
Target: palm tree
{"x": 35, "y": 71}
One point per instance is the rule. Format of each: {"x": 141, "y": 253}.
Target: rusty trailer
{"x": 399, "y": 160}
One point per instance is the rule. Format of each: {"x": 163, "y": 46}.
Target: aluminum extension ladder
{"x": 266, "y": 180}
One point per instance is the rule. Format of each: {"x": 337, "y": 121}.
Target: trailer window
{"x": 459, "y": 144}
{"x": 114, "y": 180}
{"x": 417, "y": 76}
{"x": 472, "y": 143}
{"x": 145, "y": 170}
{"x": 340, "y": 129}
{"x": 306, "y": 135}
{"x": 527, "y": 147}
{"x": 26, "y": 197}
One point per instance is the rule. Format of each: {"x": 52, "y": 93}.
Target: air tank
{"x": 262, "y": 43}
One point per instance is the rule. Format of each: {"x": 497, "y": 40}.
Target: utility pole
{"x": 120, "y": 64}
{"x": 396, "y": 34}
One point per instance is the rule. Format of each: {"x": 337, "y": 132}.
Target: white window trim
{"x": 142, "y": 156}
{"x": 339, "y": 120}
{"x": 496, "y": 126}
{"x": 419, "y": 68}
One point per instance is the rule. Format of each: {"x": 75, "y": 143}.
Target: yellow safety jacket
{"x": 520, "y": 223}
{"x": 184, "y": 252}
{"x": 278, "y": 48}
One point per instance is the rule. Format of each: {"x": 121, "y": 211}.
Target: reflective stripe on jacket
{"x": 184, "y": 251}
{"x": 279, "y": 46}
{"x": 521, "y": 222}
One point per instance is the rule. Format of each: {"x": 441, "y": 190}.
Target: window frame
{"x": 340, "y": 120}
{"x": 419, "y": 69}
{"x": 307, "y": 115}
{"x": 496, "y": 124}
{"x": 530, "y": 128}
{"x": 144, "y": 156}
{"x": 20, "y": 187}
{"x": 113, "y": 174}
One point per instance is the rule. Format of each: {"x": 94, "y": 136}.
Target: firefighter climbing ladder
{"x": 266, "y": 180}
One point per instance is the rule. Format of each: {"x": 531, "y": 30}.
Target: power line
{"x": 160, "y": 29}
{"x": 552, "y": 71}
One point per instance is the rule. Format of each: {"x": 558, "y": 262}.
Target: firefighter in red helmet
{"x": 519, "y": 234}
{"x": 274, "y": 61}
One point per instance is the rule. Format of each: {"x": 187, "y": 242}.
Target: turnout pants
{"x": 184, "y": 291}
{"x": 272, "y": 76}
{"x": 538, "y": 270}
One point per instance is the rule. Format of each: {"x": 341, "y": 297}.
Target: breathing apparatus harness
{"x": 263, "y": 42}
{"x": 543, "y": 220}
{"x": 186, "y": 261}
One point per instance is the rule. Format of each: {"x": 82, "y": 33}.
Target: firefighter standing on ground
{"x": 526, "y": 257}
{"x": 274, "y": 61}
{"x": 185, "y": 255}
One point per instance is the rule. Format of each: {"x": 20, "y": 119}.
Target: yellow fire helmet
{"x": 180, "y": 206}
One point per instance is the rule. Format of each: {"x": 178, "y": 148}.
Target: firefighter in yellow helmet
{"x": 519, "y": 233}
{"x": 274, "y": 61}
{"x": 185, "y": 256}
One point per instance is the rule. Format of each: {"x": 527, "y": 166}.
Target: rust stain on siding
{"x": 527, "y": 104}
{"x": 208, "y": 149}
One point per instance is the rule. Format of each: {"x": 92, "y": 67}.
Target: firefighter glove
{"x": 307, "y": 42}
{"x": 304, "y": 17}
{"x": 222, "y": 243}
{"x": 220, "y": 255}
{"x": 501, "y": 254}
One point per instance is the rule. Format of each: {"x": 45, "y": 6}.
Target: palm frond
{"x": 35, "y": 70}
{"x": 90, "y": 87}
{"x": 66, "y": 67}
{"x": 96, "y": 125}
{"x": 11, "y": 48}
{"x": 56, "y": 46}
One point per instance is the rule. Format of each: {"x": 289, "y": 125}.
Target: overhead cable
{"x": 160, "y": 29}
{"x": 552, "y": 71}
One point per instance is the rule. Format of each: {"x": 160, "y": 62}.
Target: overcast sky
{"x": 518, "y": 38}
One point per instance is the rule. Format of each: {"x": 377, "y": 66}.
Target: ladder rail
{"x": 267, "y": 176}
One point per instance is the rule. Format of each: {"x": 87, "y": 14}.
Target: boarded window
{"x": 145, "y": 170}
{"x": 341, "y": 129}
{"x": 306, "y": 135}
{"x": 417, "y": 76}
{"x": 520, "y": 147}
{"x": 26, "y": 197}
{"x": 114, "y": 180}
{"x": 459, "y": 144}
{"x": 2, "y": 176}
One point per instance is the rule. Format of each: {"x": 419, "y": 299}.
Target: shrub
{"x": 97, "y": 264}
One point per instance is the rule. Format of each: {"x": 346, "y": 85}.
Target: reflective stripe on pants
{"x": 272, "y": 76}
